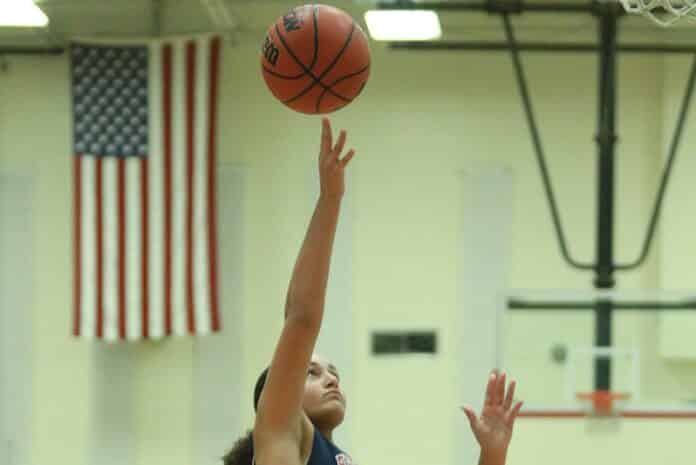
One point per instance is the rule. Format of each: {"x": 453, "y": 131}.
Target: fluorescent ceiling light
{"x": 21, "y": 13}
{"x": 403, "y": 24}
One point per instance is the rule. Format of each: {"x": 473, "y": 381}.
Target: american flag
{"x": 145, "y": 249}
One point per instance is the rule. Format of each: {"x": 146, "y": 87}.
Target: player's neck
{"x": 326, "y": 432}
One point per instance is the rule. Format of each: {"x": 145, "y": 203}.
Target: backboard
{"x": 550, "y": 350}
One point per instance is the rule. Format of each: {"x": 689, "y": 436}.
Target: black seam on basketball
{"x": 315, "y": 9}
{"x": 347, "y": 76}
{"x": 317, "y": 80}
{"x": 282, "y": 76}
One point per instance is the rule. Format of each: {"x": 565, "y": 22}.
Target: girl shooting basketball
{"x": 298, "y": 399}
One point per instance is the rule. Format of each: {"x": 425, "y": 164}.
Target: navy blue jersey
{"x": 324, "y": 452}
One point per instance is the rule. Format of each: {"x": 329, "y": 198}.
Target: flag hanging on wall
{"x": 144, "y": 131}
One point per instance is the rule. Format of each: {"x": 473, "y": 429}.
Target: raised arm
{"x": 279, "y": 416}
{"x": 493, "y": 428}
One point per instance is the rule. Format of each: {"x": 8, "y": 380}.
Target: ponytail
{"x": 242, "y": 452}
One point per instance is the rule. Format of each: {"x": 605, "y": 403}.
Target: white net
{"x": 663, "y": 12}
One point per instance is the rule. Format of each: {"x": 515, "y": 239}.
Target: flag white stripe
{"x": 110, "y": 246}
{"x": 88, "y": 262}
{"x": 179, "y": 189}
{"x": 155, "y": 197}
{"x": 133, "y": 249}
{"x": 200, "y": 225}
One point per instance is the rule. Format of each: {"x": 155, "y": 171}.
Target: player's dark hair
{"x": 242, "y": 453}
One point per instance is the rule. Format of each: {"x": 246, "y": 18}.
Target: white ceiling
{"x": 69, "y": 18}
{"x": 130, "y": 18}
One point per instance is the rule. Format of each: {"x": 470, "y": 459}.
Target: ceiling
{"x": 70, "y": 18}
{"x": 133, "y": 18}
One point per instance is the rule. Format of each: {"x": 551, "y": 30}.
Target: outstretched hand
{"x": 332, "y": 162}
{"x": 493, "y": 428}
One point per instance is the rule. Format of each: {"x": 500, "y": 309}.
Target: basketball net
{"x": 663, "y": 12}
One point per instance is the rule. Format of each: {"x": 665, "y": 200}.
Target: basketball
{"x": 315, "y": 59}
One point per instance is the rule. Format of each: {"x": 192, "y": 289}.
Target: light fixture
{"x": 21, "y": 13}
{"x": 397, "y": 25}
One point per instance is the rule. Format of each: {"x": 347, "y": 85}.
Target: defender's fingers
{"x": 509, "y": 395}
{"x": 489, "y": 389}
{"x": 499, "y": 390}
{"x": 513, "y": 414}
{"x": 470, "y": 415}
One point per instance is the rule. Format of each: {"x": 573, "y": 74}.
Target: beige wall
{"x": 421, "y": 120}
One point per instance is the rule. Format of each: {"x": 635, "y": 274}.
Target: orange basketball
{"x": 315, "y": 59}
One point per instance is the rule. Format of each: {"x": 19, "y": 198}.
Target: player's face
{"x": 324, "y": 401}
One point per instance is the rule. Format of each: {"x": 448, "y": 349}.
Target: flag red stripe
{"x": 122, "y": 247}
{"x": 212, "y": 213}
{"x": 167, "y": 155}
{"x": 190, "y": 147}
{"x": 99, "y": 247}
{"x": 145, "y": 252}
{"x": 77, "y": 252}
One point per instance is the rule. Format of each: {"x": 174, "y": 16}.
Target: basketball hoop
{"x": 663, "y": 12}
{"x": 603, "y": 403}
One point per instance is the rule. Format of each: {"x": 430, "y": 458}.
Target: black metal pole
{"x": 606, "y": 139}
{"x": 7, "y": 50}
{"x": 574, "y": 47}
{"x": 485, "y": 6}
{"x": 642, "y": 305}
{"x": 602, "y": 372}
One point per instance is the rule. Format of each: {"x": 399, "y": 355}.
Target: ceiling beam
{"x": 19, "y": 50}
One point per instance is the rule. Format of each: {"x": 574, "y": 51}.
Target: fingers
{"x": 490, "y": 387}
{"x": 326, "y": 136}
{"x": 510, "y": 395}
{"x": 499, "y": 390}
{"x": 330, "y": 155}
{"x": 470, "y": 415}
{"x": 338, "y": 149}
{"x": 512, "y": 416}
{"x": 496, "y": 393}
{"x": 349, "y": 156}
